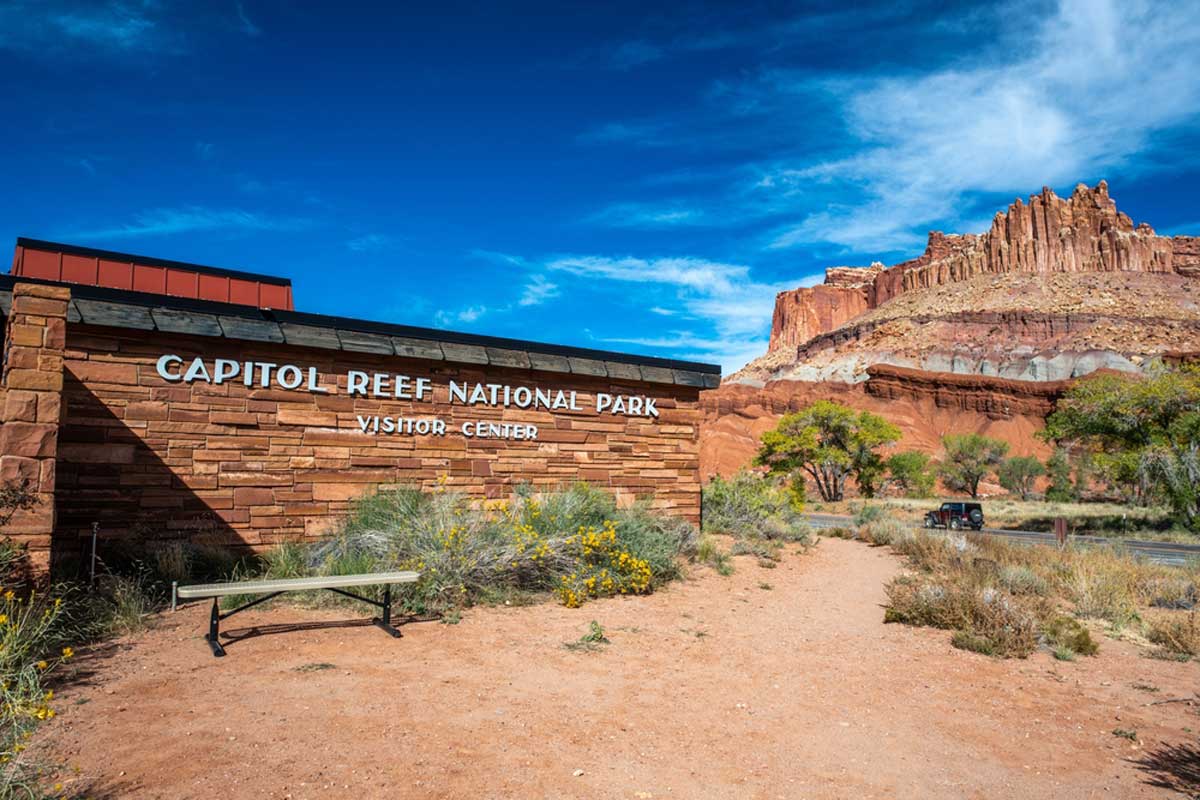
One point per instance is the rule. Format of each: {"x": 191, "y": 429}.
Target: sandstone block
{"x": 21, "y": 406}
{"x": 35, "y": 379}
{"x": 338, "y": 491}
{"x": 42, "y": 306}
{"x": 306, "y": 416}
{"x": 256, "y": 478}
{"x": 30, "y": 439}
{"x": 147, "y": 409}
{"x": 27, "y": 335}
{"x": 49, "y": 406}
{"x": 21, "y": 468}
{"x": 90, "y": 372}
{"x": 42, "y": 290}
{"x": 233, "y": 418}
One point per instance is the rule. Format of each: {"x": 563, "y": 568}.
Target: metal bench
{"x": 274, "y": 588}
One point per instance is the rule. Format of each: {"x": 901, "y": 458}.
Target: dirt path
{"x": 715, "y": 688}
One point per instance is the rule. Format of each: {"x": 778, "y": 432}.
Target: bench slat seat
{"x": 198, "y": 590}
{"x": 272, "y": 588}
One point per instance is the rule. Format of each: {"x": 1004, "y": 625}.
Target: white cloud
{"x": 463, "y": 315}
{"x": 164, "y": 221}
{"x": 723, "y": 296}
{"x": 1096, "y": 82}
{"x": 647, "y": 216}
{"x": 496, "y": 257}
{"x": 537, "y": 291}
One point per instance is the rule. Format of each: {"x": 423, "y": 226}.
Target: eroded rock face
{"x": 802, "y": 314}
{"x": 1049, "y": 234}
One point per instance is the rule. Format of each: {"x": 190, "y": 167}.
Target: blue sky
{"x": 628, "y": 176}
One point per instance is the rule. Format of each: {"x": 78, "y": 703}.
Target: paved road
{"x": 1162, "y": 552}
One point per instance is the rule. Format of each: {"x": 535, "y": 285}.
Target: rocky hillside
{"x": 981, "y": 332}
{"x": 1045, "y": 294}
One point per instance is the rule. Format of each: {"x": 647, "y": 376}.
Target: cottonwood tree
{"x": 970, "y": 457}
{"x": 1058, "y": 467}
{"x": 909, "y": 470}
{"x": 1018, "y": 473}
{"x": 830, "y": 443}
{"x": 1141, "y": 433}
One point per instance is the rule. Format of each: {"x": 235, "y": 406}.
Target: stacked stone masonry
{"x": 30, "y": 408}
{"x": 237, "y": 466}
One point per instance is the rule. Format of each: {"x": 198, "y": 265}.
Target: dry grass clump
{"x": 1006, "y": 599}
{"x": 988, "y": 619}
{"x": 1176, "y": 633}
{"x": 885, "y": 530}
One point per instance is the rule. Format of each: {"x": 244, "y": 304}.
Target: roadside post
{"x": 1060, "y": 531}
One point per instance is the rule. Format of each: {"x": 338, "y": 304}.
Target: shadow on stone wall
{"x": 108, "y": 475}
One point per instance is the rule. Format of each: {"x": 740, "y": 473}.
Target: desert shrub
{"x": 1020, "y": 579}
{"x": 1010, "y": 594}
{"x": 31, "y": 636}
{"x": 988, "y": 620}
{"x": 1176, "y": 632}
{"x": 869, "y": 513}
{"x": 750, "y": 505}
{"x": 1172, "y": 592}
{"x": 884, "y": 530}
{"x": 575, "y": 543}
{"x": 969, "y": 640}
{"x": 1065, "y": 633}
{"x": 1099, "y": 591}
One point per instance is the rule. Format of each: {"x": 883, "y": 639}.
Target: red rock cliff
{"x": 801, "y": 314}
{"x": 1082, "y": 233}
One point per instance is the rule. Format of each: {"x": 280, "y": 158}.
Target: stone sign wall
{"x": 145, "y": 452}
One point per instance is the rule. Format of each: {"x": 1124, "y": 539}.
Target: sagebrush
{"x": 576, "y": 543}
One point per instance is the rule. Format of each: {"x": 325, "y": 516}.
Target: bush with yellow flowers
{"x": 574, "y": 543}
{"x": 28, "y": 630}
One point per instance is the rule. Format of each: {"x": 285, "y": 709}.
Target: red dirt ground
{"x": 714, "y": 688}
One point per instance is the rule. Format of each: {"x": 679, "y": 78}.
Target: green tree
{"x": 909, "y": 470}
{"x": 1058, "y": 467}
{"x": 1018, "y": 473}
{"x": 1140, "y": 433}
{"x": 970, "y": 457}
{"x": 830, "y": 443}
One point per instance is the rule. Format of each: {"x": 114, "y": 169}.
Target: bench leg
{"x": 385, "y": 621}
{"x": 214, "y": 629}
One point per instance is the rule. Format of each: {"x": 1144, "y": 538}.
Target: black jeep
{"x": 956, "y": 516}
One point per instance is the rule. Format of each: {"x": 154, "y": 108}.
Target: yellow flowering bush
{"x": 603, "y": 567}
{"x": 28, "y": 625}
{"x": 574, "y": 543}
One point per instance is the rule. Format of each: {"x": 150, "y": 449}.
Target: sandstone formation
{"x": 981, "y": 332}
{"x": 1042, "y": 295}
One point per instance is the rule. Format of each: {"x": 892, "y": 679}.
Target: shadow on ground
{"x": 1175, "y": 767}
{"x": 234, "y": 635}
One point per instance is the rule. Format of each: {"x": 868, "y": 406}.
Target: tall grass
{"x": 576, "y": 543}
{"x": 1007, "y": 599}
